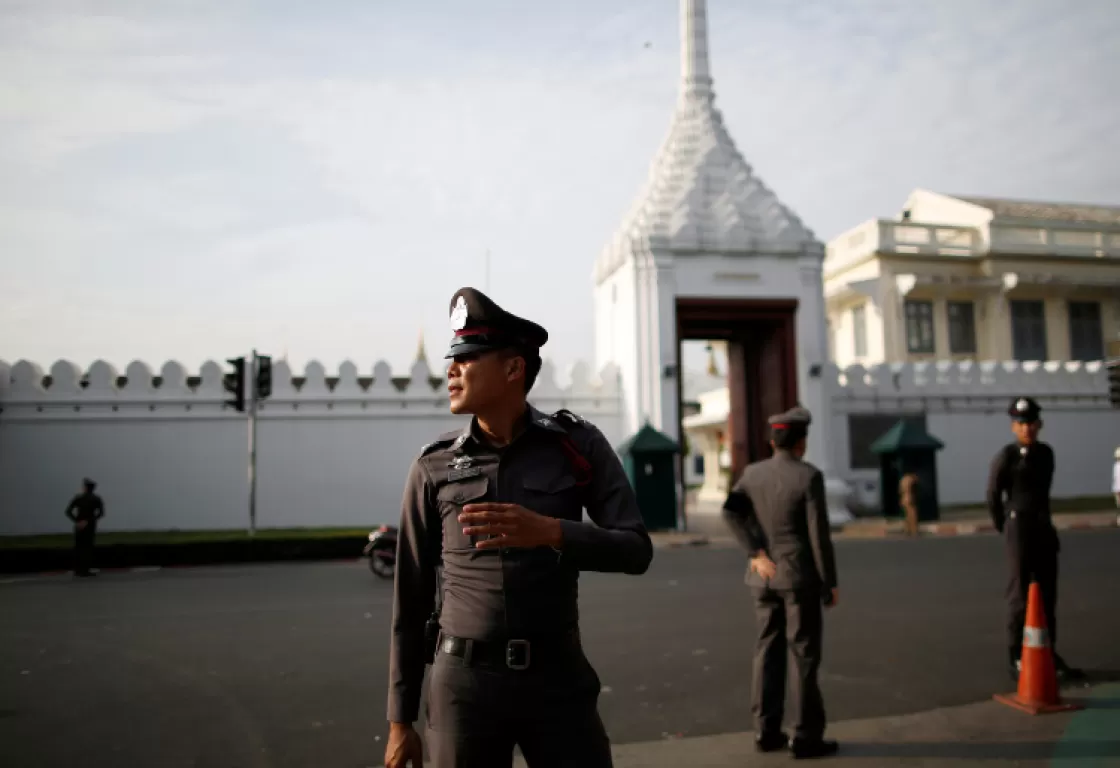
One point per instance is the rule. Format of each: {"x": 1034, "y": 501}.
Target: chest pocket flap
{"x": 452, "y": 498}
{"x": 540, "y": 482}
{"x": 464, "y": 491}
{"x": 554, "y": 494}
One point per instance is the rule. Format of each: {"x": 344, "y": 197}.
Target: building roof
{"x": 1004, "y": 208}
{"x": 906, "y": 434}
{"x": 701, "y": 194}
{"x": 697, "y": 383}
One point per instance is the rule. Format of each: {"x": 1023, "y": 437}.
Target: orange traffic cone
{"x": 1038, "y": 680}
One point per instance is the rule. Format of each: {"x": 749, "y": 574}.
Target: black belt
{"x": 516, "y": 654}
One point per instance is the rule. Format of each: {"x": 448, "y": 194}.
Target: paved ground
{"x": 284, "y": 666}
{"x": 982, "y": 734}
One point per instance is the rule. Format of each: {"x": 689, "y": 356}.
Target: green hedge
{"x": 28, "y": 554}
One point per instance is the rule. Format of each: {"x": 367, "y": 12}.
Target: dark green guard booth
{"x": 648, "y": 458}
{"x": 904, "y": 448}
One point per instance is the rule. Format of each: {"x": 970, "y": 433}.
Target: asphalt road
{"x": 285, "y": 665}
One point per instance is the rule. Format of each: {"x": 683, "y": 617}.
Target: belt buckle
{"x": 510, "y": 653}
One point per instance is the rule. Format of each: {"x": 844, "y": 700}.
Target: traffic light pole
{"x": 251, "y": 385}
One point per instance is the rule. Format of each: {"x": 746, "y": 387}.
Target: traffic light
{"x": 234, "y": 383}
{"x": 264, "y": 376}
{"x": 1114, "y": 382}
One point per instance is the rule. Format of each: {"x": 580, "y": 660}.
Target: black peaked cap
{"x": 480, "y": 325}
{"x": 1025, "y": 409}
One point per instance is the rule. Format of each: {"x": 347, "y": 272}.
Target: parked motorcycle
{"x": 382, "y": 551}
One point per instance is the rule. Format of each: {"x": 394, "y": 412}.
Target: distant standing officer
{"x": 777, "y": 510}
{"x": 85, "y": 510}
{"x": 498, "y": 507}
{"x": 1019, "y": 502}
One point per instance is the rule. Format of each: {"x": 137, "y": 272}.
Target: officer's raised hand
{"x": 404, "y": 748}
{"x": 510, "y": 525}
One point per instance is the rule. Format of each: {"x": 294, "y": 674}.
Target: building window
{"x": 1086, "y": 339}
{"x": 1028, "y": 330}
{"x": 859, "y": 329}
{"x": 962, "y": 328}
{"x": 698, "y": 463}
{"x": 919, "y": 327}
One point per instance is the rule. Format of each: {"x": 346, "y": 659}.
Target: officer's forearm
{"x": 610, "y": 550}
{"x": 820, "y": 534}
{"x": 739, "y": 516}
{"x": 995, "y": 508}
{"x": 745, "y": 533}
{"x": 406, "y": 675}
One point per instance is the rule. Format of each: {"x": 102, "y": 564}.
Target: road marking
{"x": 1090, "y": 737}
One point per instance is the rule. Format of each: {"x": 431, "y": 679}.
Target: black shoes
{"x": 1065, "y": 671}
{"x": 800, "y": 749}
{"x": 771, "y": 742}
{"x": 806, "y": 749}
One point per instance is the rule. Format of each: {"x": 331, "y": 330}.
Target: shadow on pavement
{"x": 1028, "y": 750}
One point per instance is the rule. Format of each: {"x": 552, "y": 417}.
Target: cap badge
{"x": 459, "y": 315}
{"x": 1022, "y": 405}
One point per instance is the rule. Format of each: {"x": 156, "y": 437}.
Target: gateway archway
{"x": 762, "y": 364}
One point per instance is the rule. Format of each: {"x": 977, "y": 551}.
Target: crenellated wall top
{"x": 26, "y": 381}
{"x": 963, "y": 379}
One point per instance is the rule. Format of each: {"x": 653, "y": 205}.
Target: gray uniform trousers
{"x": 788, "y": 622}
{"x": 477, "y": 712}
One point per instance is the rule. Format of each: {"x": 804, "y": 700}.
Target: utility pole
{"x": 253, "y": 400}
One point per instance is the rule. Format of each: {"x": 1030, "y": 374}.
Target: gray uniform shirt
{"x": 778, "y": 505}
{"x": 511, "y": 593}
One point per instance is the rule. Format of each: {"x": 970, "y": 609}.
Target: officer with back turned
{"x": 777, "y": 510}
{"x": 1019, "y": 502}
{"x": 497, "y": 507}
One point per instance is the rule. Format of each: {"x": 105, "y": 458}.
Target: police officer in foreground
{"x": 497, "y": 507}
{"x": 777, "y": 510}
{"x": 1018, "y": 498}
{"x": 85, "y": 510}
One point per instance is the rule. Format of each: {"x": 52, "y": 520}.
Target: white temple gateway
{"x": 709, "y": 252}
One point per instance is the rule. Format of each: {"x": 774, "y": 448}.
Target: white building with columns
{"x": 705, "y": 226}
{"x": 969, "y": 278}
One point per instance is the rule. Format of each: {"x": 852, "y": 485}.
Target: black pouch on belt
{"x": 431, "y": 638}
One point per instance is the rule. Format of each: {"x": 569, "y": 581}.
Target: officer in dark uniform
{"x": 85, "y": 510}
{"x": 777, "y": 510}
{"x": 1022, "y": 472}
{"x": 497, "y": 507}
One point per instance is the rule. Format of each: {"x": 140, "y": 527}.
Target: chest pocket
{"x": 452, "y": 498}
{"x": 554, "y": 494}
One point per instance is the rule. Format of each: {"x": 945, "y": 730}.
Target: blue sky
{"x": 187, "y": 180}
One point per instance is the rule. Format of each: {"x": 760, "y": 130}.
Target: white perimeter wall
{"x": 966, "y": 408}
{"x": 173, "y": 457}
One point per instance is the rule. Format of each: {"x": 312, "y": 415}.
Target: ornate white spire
{"x": 701, "y": 194}
{"x": 695, "y": 71}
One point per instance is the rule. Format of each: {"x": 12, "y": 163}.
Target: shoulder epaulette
{"x": 444, "y": 439}
{"x": 565, "y": 415}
